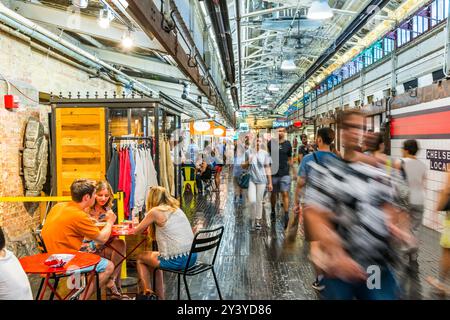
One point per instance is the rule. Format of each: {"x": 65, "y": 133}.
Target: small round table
{"x": 36, "y": 265}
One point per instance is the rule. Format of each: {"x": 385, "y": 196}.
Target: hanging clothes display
{"x": 145, "y": 174}
{"x": 163, "y": 165}
{"x": 125, "y": 178}
{"x": 170, "y": 169}
{"x": 112, "y": 175}
{"x": 133, "y": 178}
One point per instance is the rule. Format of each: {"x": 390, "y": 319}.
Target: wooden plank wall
{"x": 118, "y": 126}
{"x": 80, "y": 146}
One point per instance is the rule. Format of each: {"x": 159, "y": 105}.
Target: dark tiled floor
{"x": 266, "y": 264}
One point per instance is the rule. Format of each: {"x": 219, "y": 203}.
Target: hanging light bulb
{"x": 218, "y": 131}
{"x": 105, "y": 16}
{"x": 273, "y": 87}
{"x": 82, "y": 4}
{"x": 320, "y": 10}
{"x": 288, "y": 65}
{"x": 127, "y": 40}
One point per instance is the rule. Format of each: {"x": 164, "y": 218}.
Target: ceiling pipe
{"x": 238, "y": 26}
{"x": 33, "y": 30}
{"x": 359, "y": 21}
{"x": 186, "y": 97}
{"x": 218, "y": 12}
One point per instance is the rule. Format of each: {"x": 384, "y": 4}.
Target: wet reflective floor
{"x": 269, "y": 264}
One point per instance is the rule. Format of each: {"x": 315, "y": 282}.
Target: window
{"x": 438, "y": 11}
{"x": 388, "y": 44}
{"x": 330, "y": 83}
{"x": 377, "y": 51}
{"x": 404, "y": 33}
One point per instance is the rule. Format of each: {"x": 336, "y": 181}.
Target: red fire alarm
{"x": 297, "y": 124}
{"x": 11, "y": 101}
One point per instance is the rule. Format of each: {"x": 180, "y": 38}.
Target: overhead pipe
{"x": 196, "y": 54}
{"x": 35, "y": 31}
{"x": 359, "y": 21}
{"x": 238, "y": 26}
{"x": 218, "y": 13}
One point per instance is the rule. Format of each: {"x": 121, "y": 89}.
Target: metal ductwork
{"x": 359, "y": 21}
{"x": 185, "y": 96}
{"x": 218, "y": 12}
{"x": 34, "y": 31}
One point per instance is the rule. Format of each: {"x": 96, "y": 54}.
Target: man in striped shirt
{"x": 351, "y": 213}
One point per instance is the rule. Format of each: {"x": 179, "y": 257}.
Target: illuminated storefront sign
{"x": 280, "y": 124}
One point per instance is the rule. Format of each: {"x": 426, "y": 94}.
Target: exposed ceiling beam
{"x": 81, "y": 24}
{"x": 267, "y": 11}
{"x": 261, "y": 37}
{"x": 346, "y": 35}
{"x": 138, "y": 62}
{"x": 150, "y": 19}
{"x": 91, "y": 40}
{"x": 256, "y": 68}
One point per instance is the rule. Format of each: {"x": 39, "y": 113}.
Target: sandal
{"x": 116, "y": 293}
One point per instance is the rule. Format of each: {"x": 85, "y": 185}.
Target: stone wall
{"x": 31, "y": 72}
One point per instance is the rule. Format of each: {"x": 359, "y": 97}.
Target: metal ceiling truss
{"x": 358, "y": 22}
{"x": 153, "y": 22}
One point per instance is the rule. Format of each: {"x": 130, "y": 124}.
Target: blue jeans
{"x": 336, "y": 289}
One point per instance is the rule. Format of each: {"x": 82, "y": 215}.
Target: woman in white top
{"x": 257, "y": 161}
{"x": 14, "y": 284}
{"x": 168, "y": 224}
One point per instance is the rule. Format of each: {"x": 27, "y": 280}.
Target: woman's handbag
{"x": 244, "y": 180}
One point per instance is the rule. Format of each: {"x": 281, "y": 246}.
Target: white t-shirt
{"x": 415, "y": 173}
{"x": 14, "y": 283}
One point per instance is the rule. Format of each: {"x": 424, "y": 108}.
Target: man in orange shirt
{"x": 68, "y": 224}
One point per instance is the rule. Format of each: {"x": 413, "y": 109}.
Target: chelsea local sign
{"x": 439, "y": 159}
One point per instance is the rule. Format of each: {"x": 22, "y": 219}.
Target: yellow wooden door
{"x": 80, "y": 146}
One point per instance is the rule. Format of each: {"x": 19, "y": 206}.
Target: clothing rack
{"x": 112, "y": 139}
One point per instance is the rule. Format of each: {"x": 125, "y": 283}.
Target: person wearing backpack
{"x": 325, "y": 137}
{"x": 414, "y": 172}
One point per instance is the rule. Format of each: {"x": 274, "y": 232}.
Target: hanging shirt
{"x": 133, "y": 179}
{"x": 113, "y": 170}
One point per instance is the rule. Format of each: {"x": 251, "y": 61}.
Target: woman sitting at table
{"x": 103, "y": 202}
{"x": 170, "y": 227}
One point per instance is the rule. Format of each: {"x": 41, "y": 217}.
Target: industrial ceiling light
{"x": 82, "y": 4}
{"x": 320, "y": 10}
{"x": 288, "y": 65}
{"x": 105, "y": 16}
{"x": 127, "y": 40}
{"x": 273, "y": 87}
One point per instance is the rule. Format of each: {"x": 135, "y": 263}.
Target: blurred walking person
{"x": 441, "y": 285}
{"x": 281, "y": 178}
{"x": 414, "y": 172}
{"x": 257, "y": 162}
{"x": 325, "y": 137}
{"x": 351, "y": 213}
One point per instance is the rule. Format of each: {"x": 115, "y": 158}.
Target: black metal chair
{"x": 43, "y": 249}
{"x": 199, "y": 244}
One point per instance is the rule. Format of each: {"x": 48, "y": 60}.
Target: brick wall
{"x": 32, "y": 72}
